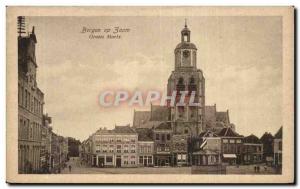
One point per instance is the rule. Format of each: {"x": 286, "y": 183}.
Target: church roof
{"x": 164, "y": 126}
{"x": 141, "y": 117}
{"x": 160, "y": 113}
{"x": 210, "y": 113}
{"x": 222, "y": 116}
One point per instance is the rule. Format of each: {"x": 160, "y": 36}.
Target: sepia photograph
{"x": 196, "y": 94}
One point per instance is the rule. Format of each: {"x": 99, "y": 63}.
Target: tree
{"x": 73, "y": 147}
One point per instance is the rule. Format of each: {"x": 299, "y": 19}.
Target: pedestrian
{"x": 70, "y": 168}
{"x": 254, "y": 168}
{"x": 258, "y": 168}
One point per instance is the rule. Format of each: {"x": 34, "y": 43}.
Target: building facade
{"x": 145, "y": 153}
{"x": 252, "y": 151}
{"x": 268, "y": 148}
{"x": 278, "y": 149}
{"x": 112, "y": 148}
{"x": 145, "y": 147}
{"x": 46, "y": 132}
{"x": 231, "y": 146}
{"x": 162, "y": 136}
{"x": 180, "y": 151}
{"x": 30, "y": 106}
{"x": 207, "y": 149}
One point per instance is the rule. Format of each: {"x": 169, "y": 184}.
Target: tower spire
{"x": 185, "y": 25}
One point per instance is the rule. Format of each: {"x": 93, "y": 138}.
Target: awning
{"x": 229, "y": 155}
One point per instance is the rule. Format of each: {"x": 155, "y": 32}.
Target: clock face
{"x": 186, "y": 53}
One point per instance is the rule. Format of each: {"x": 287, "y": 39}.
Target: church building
{"x": 177, "y": 120}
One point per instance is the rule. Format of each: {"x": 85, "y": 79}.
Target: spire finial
{"x": 185, "y": 25}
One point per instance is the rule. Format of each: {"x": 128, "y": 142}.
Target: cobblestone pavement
{"x": 249, "y": 169}
{"x": 78, "y": 168}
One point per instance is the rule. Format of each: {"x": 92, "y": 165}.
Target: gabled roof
{"x": 278, "y": 135}
{"x": 164, "y": 126}
{"x": 123, "y": 129}
{"x": 104, "y": 131}
{"x": 266, "y": 137}
{"x": 141, "y": 117}
{"x": 160, "y": 113}
{"x": 228, "y": 132}
{"x": 144, "y": 134}
{"x": 220, "y": 124}
{"x": 252, "y": 139}
{"x": 208, "y": 134}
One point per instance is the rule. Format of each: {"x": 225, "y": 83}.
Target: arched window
{"x": 186, "y": 131}
{"x": 180, "y": 81}
{"x": 192, "y": 85}
{"x": 192, "y": 80}
{"x": 180, "y": 87}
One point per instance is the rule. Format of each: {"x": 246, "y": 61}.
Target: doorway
{"x": 118, "y": 161}
{"x": 100, "y": 161}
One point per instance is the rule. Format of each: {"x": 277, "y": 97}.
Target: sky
{"x": 241, "y": 58}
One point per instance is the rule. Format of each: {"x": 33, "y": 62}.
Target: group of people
{"x": 257, "y": 168}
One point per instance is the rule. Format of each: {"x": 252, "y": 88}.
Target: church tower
{"x": 187, "y": 119}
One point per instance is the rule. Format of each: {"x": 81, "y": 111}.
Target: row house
{"x": 211, "y": 148}
{"x": 231, "y": 146}
{"x": 113, "y": 148}
{"x": 252, "y": 151}
{"x": 86, "y": 150}
{"x": 278, "y": 149}
{"x": 59, "y": 151}
{"x": 268, "y": 148}
{"x": 46, "y": 132}
{"x": 145, "y": 147}
{"x": 180, "y": 151}
{"x": 163, "y": 144}
{"x": 207, "y": 149}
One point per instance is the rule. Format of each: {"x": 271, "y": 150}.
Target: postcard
{"x": 150, "y": 95}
